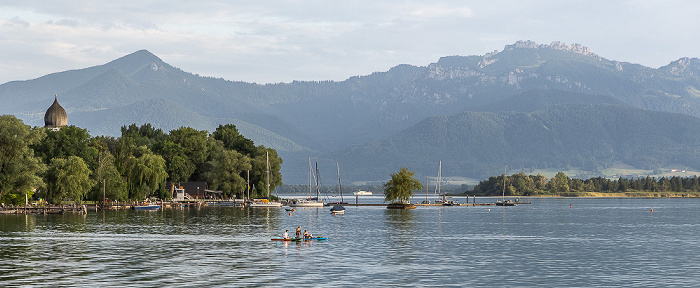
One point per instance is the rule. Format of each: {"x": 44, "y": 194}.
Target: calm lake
{"x": 553, "y": 242}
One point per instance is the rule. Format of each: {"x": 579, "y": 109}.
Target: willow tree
{"x": 68, "y": 178}
{"x": 400, "y": 187}
{"x": 145, "y": 174}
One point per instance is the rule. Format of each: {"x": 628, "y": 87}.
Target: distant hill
{"x": 328, "y": 119}
{"x": 590, "y": 136}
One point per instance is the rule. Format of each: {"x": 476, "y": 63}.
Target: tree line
{"x": 533, "y": 185}
{"x": 69, "y": 164}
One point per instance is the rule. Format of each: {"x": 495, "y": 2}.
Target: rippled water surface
{"x": 552, "y": 242}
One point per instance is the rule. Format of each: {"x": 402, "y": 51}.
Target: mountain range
{"x": 529, "y": 106}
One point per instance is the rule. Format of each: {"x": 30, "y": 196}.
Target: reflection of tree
{"x": 401, "y": 230}
{"x": 400, "y": 219}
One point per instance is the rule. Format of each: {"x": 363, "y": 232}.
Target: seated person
{"x": 306, "y": 235}
{"x": 286, "y": 234}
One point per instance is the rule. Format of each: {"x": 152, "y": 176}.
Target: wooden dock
{"x": 435, "y": 205}
{"x": 81, "y": 209}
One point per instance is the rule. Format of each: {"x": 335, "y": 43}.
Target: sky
{"x": 312, "y": 40}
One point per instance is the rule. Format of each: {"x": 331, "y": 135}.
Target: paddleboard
{"x": 313, "y": 238}
{"x": 282, "y": 239}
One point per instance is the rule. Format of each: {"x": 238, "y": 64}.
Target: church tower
{"x": 55, "y": 117}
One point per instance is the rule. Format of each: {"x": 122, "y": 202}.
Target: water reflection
{"x": 597, "y": 243}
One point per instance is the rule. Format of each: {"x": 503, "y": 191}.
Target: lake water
{"x": 553, "y": 242}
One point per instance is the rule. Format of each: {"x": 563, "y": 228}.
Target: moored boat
{"x": 145, "y": 207}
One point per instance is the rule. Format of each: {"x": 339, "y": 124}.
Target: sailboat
{"x": 265, "y": 203}
{"x": 426, "y": 201}
{"x": 437, "y": 185}
{"x": 503, "y": 201}
{"x": 309, "y": 202}
{"x": 338, "y": 208}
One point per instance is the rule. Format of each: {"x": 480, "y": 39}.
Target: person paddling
{"x": 298, "y": 232}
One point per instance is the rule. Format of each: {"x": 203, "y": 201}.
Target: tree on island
{"x": 400, "y": 188}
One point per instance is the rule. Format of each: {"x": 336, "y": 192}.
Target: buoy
{"x": 290, "y": 213}
{"x": 569, "y": 206}
{"x": 652, "y": 210}
{"x": 489, "y": 209}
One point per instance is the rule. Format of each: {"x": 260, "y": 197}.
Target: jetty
{"x": 81, "y": 209}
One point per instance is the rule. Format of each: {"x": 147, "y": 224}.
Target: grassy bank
{"x": 624, "y": 194}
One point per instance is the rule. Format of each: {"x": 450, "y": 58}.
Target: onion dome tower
{"x": 55, "y": 117}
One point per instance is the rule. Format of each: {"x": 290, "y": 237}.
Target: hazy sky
{"x": 280, "y": 41}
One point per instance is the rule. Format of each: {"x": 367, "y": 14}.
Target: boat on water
{"x": 305, "y": 203}
{"x": 503, "y": 201}
{"x": 338, "y": 208}
{"x": 265, "y": 203}
{"x": 448, "y": 201}
{"x": 506, "y": 203}
{"x": 145, "y": 207}
{"x": 362, "y": 193}
{"x": 311, "y": 201}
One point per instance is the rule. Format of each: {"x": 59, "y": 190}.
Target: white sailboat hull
{"x": 305, "y": 203}
{"x": 265, "y": 205}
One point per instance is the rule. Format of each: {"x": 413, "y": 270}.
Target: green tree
{"x": 560, "y": 183}
{"x": 233, "y": 140}
{"x": 145, "y": 174}
{"x": 224, "y": 172}
{"x": 68, "y": 178}
{"x": 195, "y": 146}
{"x": 178, "y": 166}
{"x": 109, "y": 182}
{"x": 401, "y": 186}
{"x": 19, "y": 168}
{"x": 69, "y": 141}
{"x": 145, "y": 135}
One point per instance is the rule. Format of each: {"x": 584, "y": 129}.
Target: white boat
{"x": 305, "y": 203}
{"x": 264, "y": 203}
{"x": 309, "y": 202}
{"x": 362, "y": 193}
{"x": 338, "y": 208}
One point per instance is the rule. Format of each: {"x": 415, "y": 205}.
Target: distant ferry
{"x": 362, "y": 193}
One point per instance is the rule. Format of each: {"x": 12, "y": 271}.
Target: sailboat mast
{"x": 340, "y": 193}
{"x": 310, "y": 177}
{"x": 426, "y": 188}
{"x": 318, "y": 192}
{"x": 439, "y": 177}
{"x": 503, "y": 198}
{"x": 267, "y": 172}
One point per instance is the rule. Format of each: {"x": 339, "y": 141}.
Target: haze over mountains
{"x": 529, "y": 106}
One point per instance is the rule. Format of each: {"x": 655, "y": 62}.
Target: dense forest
{"x": 69, "y": 164}
{"x": 534, "y": 185}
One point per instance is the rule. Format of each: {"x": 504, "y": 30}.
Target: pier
{"x": 81, "y": 209}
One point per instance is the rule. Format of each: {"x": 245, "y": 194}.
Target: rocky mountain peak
{"x": 683, "y": 67}
{"x": 528, "y": 44}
